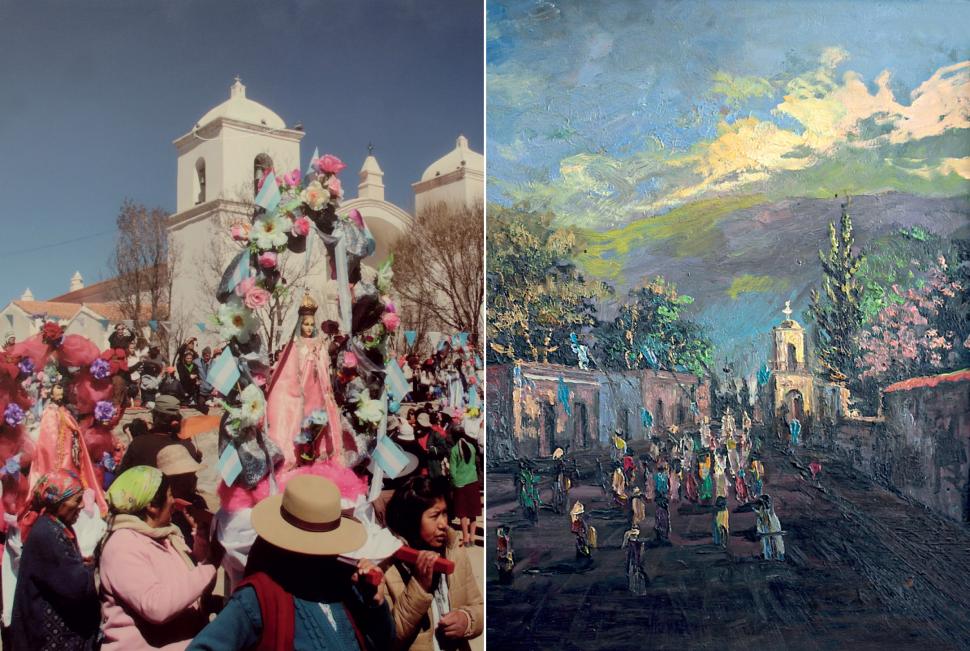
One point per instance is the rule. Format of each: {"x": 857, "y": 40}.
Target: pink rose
{"x": 293, "y": 178}
{"x": 336, "y": 190}
{"x": 267, "y": 260}
{"x": 330, "y": 164}
{"x": 245, "y": 286}
{"x": 256, "y": 298}
{"x": 350, "y": 360}
{"x": 391, "y": 321}
{"x": 301, "y": 227}
{"x": 259, "y": 379}
{"x": 240, "y": 232}
{"x": 356, "y": 217}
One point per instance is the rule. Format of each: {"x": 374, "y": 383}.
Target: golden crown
{"x": 308, "y": 305}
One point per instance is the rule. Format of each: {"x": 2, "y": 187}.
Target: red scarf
{"x": 278, "y": 611}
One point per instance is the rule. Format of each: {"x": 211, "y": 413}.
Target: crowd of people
{"x": 120, "y": 555}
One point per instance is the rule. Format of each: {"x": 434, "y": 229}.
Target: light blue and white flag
{"x": 269, "y": 195}
{"x": 230, "y": 465}
{"x": 224, "y": 372}
{"x": 397, "y": 384}
{"x": 410, "y": 336}
{"x": 309, "y": 168}
{"x": 240, "y": 273}
{"x": 390, "y": 457}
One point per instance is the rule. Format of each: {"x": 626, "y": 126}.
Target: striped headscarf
{"x": 50, "y": 491}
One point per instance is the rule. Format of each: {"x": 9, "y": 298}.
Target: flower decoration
{"x": 391, "y": 321}
{"x": 235, "y": 321}
{"x": 11, "y": 466}
{"x": 369, "y": 410}
{"x": 104, "y": 411}
{"x": 335, "y": 188}
{"x": 100, "y": 369}
{"x": 315, "y": 196}
{"x": 301, "y": 227}
{"x": 240, "y": 231}
{"x": 252, "y": 407}
{"x": 52, "y": 334}
{"x": 244, "y": 286}
{"x": 256, "y": 298}
{"x": 269, "y": 232}
{"x": 349, "y": 360}
{"x": 13, "y": 415}
{"x": 292, "y": 179}
{"x": 268, "y": 260}
{"x": 330, "y": 164}
{"x": 26, "y": 366}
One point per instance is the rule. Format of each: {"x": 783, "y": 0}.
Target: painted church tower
{"x": 791, "y": 380}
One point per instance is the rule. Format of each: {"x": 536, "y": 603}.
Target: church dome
{"x": 239, "y": 107}
{"x": 459, "y": 157}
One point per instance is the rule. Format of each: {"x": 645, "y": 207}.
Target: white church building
{"x": 219, "y": 161}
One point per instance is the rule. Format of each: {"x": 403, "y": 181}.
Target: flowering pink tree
{"x": 914, "y": 334}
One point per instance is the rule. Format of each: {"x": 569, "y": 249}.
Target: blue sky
{"x": 605, "y": 112}
{"x": 92, "y": 94}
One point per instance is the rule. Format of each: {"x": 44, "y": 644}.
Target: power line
{"x": 55, "y": 244}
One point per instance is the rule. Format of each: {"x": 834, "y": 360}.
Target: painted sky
{"x": 607, "y": 112}
{"x": 93, "y": 93}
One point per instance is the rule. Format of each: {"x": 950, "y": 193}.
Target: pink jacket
{"x": 150, "y": 597}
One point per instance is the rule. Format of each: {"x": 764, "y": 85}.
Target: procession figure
{"x": 794, "y": 429}
{"x": 740, "y": 488}
{"x": 756, "y": 475}
{"x": 706, "y": 489}
{"x": 638, "y": 507}
{"x": 619, "y": 486}
{"x": 579, "y": 525}
{"x": 560, "y": 489}
{"x": 721, "y": 525}
{"x": 505, "y": 561}
{"x": 707, "y": 440}
{"x": 661, "y": 523}
{"x": 529, "y": 494}
{"x": 769, "y": 529}
{"x": 727, "y": 425}
{"x": 636, "y": 579}
{"x": 661, "y": 480}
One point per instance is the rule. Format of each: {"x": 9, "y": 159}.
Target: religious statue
{"x": 303, "y": 416}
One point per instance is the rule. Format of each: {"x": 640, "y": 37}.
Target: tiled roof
{"x": 54, "y": 309}
{"x": 929, "y": 381}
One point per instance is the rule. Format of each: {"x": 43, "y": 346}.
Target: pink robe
{"x": 54, "y": 451}
{"x": 300, "y": 386}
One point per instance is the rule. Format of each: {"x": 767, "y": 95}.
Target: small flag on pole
{"x": 564, "y": 397}
{"x": 646, "y": 418}
{"x": 316, "y": 154}
{"x": 230, "y": 465}
{"x": 201, "y": 326}
{"x": 240, "y": 273}
{"x": 390, "y": 457}
{"x": 397, "y": 384}
{"x": 153, "y": 324}
{"x": 269, "y": 195}
{"x": 410, "y": 336}
{"x": 224, "y": 373}
{"x": 463, "y": 339}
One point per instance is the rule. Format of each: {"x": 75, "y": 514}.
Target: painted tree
{"x": 837, "y": 310}
{"x": 921, "y": 332}
{"x": 651, "y": 331}
{"x": 537, "y": 296}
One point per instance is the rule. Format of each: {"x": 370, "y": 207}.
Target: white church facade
{"x": 219, "y": 161}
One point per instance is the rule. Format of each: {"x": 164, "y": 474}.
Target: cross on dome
{"x": 787, "y": 311}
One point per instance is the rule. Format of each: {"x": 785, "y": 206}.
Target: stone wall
{"x": 920, "y": 447}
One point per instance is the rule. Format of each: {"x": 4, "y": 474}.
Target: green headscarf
{"x": 134, "y": 489}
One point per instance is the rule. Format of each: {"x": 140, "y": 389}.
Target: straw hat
{"x": 306, "y": 519}
{"x": 558, "y": 454}
{"x": 176, "y": 460}
{"x": 577, "y": 509}
{"x": 424, "y": 420}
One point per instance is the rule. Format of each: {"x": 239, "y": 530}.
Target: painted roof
{"x": 929, "y": 381}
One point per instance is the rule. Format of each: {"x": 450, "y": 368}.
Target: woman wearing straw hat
{"x": 150, "y": 586}
{"x": 431, "y": 611}
{"x": 298, "y": 593}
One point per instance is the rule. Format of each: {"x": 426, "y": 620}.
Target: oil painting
{"x": 728, "y": 359}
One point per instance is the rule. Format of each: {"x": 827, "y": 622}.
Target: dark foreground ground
{"x": 865, "y": 569}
